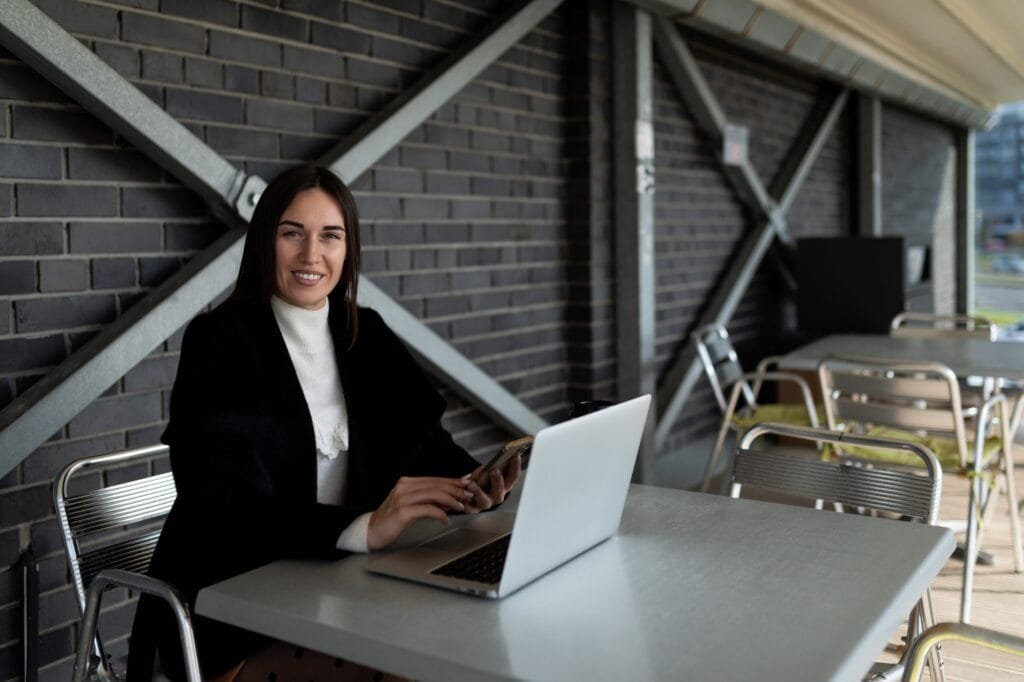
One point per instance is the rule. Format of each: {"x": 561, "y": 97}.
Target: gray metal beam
{"x": 964, "y": 222}
{"x": 67, "y": 63}
{"x": 400, "y": 117}
{"x": 35, "y": 416}
{"x": 633, "y": 141}
{"x": 682, "y": 375}
{"x": 869, "y": 166}
{"x": 695, "y": 92}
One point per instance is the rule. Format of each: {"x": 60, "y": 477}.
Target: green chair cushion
{"x": 944, "y": 448}
{"x": 783, "y": 413}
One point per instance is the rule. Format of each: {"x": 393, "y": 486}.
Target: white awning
{"x": 958, "y": 59}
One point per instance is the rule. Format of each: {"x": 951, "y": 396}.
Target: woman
{"x": 299, "y": 424}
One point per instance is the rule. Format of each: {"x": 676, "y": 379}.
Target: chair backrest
{"x": 923, "y": 397}
{"x": 720, "y": 362}
{"x": 957, "y": 632}
{"x": 933, "y": 326}
{"x": 803, "y": 474}
{"x": 114, "y": 526}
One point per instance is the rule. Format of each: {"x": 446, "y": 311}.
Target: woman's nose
{"x": 310, "y": 251}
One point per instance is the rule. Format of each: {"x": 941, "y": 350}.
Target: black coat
{"x": 243, "y": 454}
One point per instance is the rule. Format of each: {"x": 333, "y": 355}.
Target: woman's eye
{"x": 332, "y": 235}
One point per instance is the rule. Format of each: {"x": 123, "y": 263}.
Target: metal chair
{"x": 920, "y": 402}
{"x": 959, "y": 632}
{"x": 906, "y": 494}
{"x": 109, "y": 536}
{"x": 724, "y": 372}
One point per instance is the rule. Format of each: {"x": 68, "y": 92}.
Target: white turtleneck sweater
{"x": 311, "y": 349}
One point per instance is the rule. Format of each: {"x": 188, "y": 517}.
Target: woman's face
{"x": 310, "y": 249}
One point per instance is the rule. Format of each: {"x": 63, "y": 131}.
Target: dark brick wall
{"x": 700, "y": 221}
{"x": 491, "y": 222}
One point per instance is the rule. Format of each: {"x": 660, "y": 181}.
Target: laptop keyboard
{"x": 482, "y": 565}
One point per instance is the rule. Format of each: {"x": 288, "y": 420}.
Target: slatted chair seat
{"x": 109, "y": 536}
{"x": 907, "y": 494}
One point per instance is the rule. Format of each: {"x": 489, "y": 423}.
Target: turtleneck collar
{"x": 305, "y": 330}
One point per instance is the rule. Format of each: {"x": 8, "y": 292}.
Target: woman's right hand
{"x": 412, "y": 499}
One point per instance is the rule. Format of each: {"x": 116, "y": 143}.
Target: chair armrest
{"x": 762, "y": 369}
{"x": 983, "y": 420}
{"x": 144, "y": 584}
{"x": 972, "y": 634}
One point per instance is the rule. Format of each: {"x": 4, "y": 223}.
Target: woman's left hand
{"x": 495, "y": 488}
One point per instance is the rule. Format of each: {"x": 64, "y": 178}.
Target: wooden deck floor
{"x": 998, "y": 592}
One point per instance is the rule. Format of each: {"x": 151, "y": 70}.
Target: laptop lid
{"x": 572, "y": 498}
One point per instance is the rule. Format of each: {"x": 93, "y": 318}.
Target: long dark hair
{"x": 256, "y": 274}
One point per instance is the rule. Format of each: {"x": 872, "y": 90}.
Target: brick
{"x": 447, "y": 135}
{"x": 152, "y": 373}
{"x": 153, "y": 271}
{"x": 336, "y": 123}
{"x": 116, "y": 413}
{"x": 138, "y": 438}
{"x": 279, "y": 115}
{"x": 388, "y": 180}
{"x": 22, "y": 354}
{"x": 55, "y": 645}
{"x": 431, "y": 34}
{"x": 11, "y": 656}
{"x": 324, "y": 9}
{"x": 17, "y": 277}
{"x": 85, "y": 163}
{"x": 244, "y": 49}
{"x": 404, "y": 53}
{"x": 302, "y": 147}
{"x": 310, "y": 90}
{"x": 241, "y": 141}
{"x": 469, "y": 209}
{"x": 276, "y": 24}
{"x": 366, "y": 17}
{"x": 339, "y": 38}
{"x": 397, "y": 234}
{"x": 160, "y": 202}
{"x": 374, "y": 73}
{"x": 19, "y": 82}
{"x": 30, "y": 161}
{"x": 328, "y": 64}
{"x": 121, "y": 58}
{"x": 273, "y": 84}
{"x": 95, "y": 21}
{"x": 45, "y": 536}
{"x": 57, "y": 608}
{"x": 113, "y": 273}
{"x": 425, "y": 207}
{"x": 150, "y": 30}
{"x": 204, "y": 106}
{"x": 210, "y": 11}
{"x": 241, "y": 79}
{"x": 424, "y": 283}
{"x": 63, "y": 275}
{"x": 399, "y": 259}
{"x": 10, "y": 547}
{"x": 43, "y": 314}
{"x": 422, "y": 157}
{"x": 31, "y": 239}
{"x": 48, "y": 461}
{"x": 6, "y": 391}
{"x": 163, "y": 67}
{"x": 25, "y": 504}
{"x": 342, "y": 95}
{"x": 204, "y": 73}
{"x": 444, "y": 183}
{"x": 60, "y": 125}
{"x": 124, "y": 237}
{"x": 66, "y": 200}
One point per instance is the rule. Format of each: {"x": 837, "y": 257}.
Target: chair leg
{"x": 716, "y": 452}
{"x": 971, "y": 550}
{"x": 1014, "y": 510}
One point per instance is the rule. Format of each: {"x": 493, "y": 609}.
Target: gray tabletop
{"x": 965, "y": 357}
{"x": 692, "y": 587}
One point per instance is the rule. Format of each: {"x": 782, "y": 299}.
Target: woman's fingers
{"x": 415, "y": 498}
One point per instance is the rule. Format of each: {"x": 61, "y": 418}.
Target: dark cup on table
{"x": 583, "y": 407}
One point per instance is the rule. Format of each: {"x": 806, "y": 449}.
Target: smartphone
{"x": 520, "y": 446}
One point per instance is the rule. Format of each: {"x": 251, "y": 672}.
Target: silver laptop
{"x": 572, "y": 498}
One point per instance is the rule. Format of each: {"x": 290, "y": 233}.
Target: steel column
{"x": 869, "y": 166}
{"x": 36, "y": 415}
{"x": 685, "y": 370}
{"x": 965, "y": 222}
{"x": 633, "y": 141}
